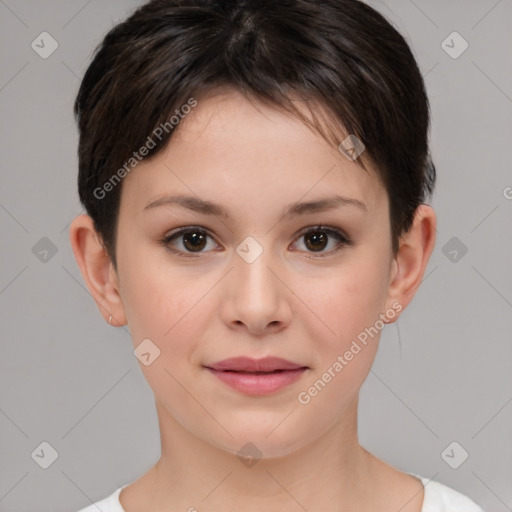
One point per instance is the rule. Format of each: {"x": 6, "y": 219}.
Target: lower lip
{"x": 259, "y": 383}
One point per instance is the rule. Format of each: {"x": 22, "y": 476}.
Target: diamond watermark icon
{"x": 45, "y": 455}
{"x": 249, "y": 249}
{"x": 454, "y": 455}
{"x": 454, "y": 45}
{"x": 454, "y": 249}
{"x": 351, "y": 147}
{"x": 44, "y": 45}
{"x": 249, "y": 454}
{"x": 146, "y": 352}
{"x": 44, "y": 250}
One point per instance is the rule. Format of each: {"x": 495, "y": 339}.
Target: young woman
{"x": 255, "y": 176}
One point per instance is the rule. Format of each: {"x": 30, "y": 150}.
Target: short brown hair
{"x": 341, "y": 54}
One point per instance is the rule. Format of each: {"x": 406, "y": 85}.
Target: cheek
{"x": 348, "y": 300}
{"x": 165, "y": 306}
{"x": 158, "y": 298}
{"x": 346, "y": 339}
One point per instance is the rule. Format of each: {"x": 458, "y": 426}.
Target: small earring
{"x": 110, "y": 320}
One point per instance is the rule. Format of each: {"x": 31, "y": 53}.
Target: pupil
{"x": 196, "y": 239}
{"x": 318, "y": 238}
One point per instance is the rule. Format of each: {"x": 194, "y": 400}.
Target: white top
{"x": 437, "y": 498}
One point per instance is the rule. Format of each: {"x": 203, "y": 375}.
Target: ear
{"x": 97, "y": 269}
{"x": 409, "y": 264}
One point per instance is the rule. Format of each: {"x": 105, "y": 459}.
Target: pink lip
{"x": 257, "y": 376}
{"x": 248, "y": 364}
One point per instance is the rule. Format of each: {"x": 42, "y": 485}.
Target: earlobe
{"x": 97, "y": 269}
{"x": 411, "y": 260}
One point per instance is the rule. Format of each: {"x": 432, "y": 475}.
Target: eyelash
{"x": 337, "y": 234}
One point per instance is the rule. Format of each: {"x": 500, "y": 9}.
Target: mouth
{"x": 251, "y": 365}
{"x": 257, "y": 376}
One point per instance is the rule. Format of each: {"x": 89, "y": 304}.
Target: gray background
{"x": 442, "y": 373}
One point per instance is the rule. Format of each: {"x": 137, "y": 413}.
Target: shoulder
{"x": 109, "y": 504}
{"x": 441, "y": 498}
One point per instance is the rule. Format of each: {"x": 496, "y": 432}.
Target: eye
{"x": 193, "y": 239}
{"x": 317, "y": 238}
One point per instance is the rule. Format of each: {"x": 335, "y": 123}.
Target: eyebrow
{"x": 209, "y": 208}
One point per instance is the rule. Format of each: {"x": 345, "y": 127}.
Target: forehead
{"x": 232, "y": 148}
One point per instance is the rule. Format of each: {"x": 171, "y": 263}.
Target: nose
{"x": 256, "y": 299}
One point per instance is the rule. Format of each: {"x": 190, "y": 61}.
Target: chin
{"x": 261, "y": 441}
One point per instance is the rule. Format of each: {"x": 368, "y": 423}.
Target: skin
{"x": 289, "y": 302}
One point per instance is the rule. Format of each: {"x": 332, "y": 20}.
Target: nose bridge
{"x": 257, "y": 297}
{"x": 252, "y": 262}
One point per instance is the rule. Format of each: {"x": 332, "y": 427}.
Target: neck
{"x": 331, "y": 472}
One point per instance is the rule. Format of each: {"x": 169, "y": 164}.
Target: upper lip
{"x": 248, "y": 364}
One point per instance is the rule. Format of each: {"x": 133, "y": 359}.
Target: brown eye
{"x": 194, "y": 240}
{"x": 316, "y": 240}
{"x": 186, "y": 241}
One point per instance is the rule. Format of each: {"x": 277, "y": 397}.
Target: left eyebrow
{"x": 321, "y": 205}
{"x": 294, "y": 209}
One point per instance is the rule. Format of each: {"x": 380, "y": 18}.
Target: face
{"x": 264, "y": 278}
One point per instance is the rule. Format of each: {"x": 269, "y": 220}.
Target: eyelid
{"x": 328, "y": 229}
{"x": 182, "y": 229}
